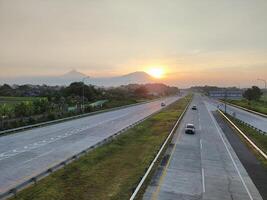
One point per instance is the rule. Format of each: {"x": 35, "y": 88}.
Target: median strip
{"x": 111, "y": 171}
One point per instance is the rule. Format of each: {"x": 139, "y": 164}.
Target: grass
{"x": 14, "y": 100}
{"x": 259, "y": 139}
{"x": 259, "y": 106}
{"x": 111, "y": 171}
{"x": 264, "y": 97}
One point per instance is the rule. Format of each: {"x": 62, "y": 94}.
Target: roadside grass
{"x": 111, "y": 171}
{"x": 259, "y": 139}
{"x": 14, "y": 100}
{"x": 264, "y": 97}
{"x": 258, "y": 106}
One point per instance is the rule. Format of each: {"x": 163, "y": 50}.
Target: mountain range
{"x": 76, "y": 76}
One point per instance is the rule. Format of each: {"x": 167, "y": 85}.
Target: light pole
{"x": 265, "y": 82}
{"x": 83, "y": 92}
{"x": 225, "y": 97}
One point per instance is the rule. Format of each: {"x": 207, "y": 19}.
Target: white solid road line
{"x": 229, "y": 153}
{"x": 203, "y": 180}
{"x": 46, "y": 153}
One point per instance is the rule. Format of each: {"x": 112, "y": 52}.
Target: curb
{"x": 244, "y": 135}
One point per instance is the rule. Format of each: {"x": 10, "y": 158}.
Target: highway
{"x": 250, "y": 118}
{"x": 203, "y": 165}
{"x": 25, "y": 154}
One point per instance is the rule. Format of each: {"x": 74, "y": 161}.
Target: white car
{"x": 190, "y": 129}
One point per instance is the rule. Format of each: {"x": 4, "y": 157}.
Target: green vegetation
{"x": 14, "y": 100}
{"x": 258, "y": 106}
{"x": 259, "y": 139}
{"x": 31, "y": 104}
{"x": 264, "y": 97}
{"x": 111, "y": 171}
{"x": 254, "y": 99}
{"x": 253, "y": 93}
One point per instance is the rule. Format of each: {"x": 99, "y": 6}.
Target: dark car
{"x": 190, "y": 129}
{"x": 163, "y": 104}
{"x": 194, "y": 107}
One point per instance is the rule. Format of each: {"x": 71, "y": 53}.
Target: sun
{"x": 156, "y": 72}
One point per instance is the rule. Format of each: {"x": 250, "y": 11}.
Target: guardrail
{"x": 249, "y": 125}
{"x": 139, "y": 186}
{"x": 245, "y": 136}
{"x": 246, "y": 109}
{"x": 33, "y": 180}
{"x": 70, "y": 118}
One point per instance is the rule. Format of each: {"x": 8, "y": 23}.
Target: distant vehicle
{"x": 163, "y": 104}
{"x": 194, "y": 107}
{"x": 190, "y": 129}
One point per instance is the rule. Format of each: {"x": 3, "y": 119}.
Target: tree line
{"x": 52, "y": 102}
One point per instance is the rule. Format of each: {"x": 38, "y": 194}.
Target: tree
{"x": 5, "y": 110}
{"x": 24, "y": 109}
{"x": 6, "y": 90}
{"x": 253, "y": 93}
{"x": 141, "y": 91}
{"x": 41, "y": 105}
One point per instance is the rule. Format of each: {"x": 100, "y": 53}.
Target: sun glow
{"x": 156, "y": 72}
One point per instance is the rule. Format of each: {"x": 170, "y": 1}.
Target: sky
{"x": 215, "y": 42}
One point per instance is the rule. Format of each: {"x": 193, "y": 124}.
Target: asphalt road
{"x": 201, "y": 166}
{"x": 25, "y": 154}
{"x": 250, "y": 118}
{"x": 252, "y": 164}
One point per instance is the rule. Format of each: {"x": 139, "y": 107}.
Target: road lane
{"x": 250, "y": 118}
{"x": 25, "y": 154}
{"x": 201, "y": 166}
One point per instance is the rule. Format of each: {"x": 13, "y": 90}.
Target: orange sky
{"x": 198, "y": 42}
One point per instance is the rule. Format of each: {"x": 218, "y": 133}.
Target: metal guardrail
{"x": 33, "y": 180}
{"x": 70, "y": 118}
{"x": 249, "y": 125}
{"x": 246, "y": 109}
{"x": 139, "y": 186}
{"x": 245, "y": 136}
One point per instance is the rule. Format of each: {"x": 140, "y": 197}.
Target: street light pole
{"x": 83, "y": 93}
{"x": 265, "y": 82}
{"x": 225, "y": 97}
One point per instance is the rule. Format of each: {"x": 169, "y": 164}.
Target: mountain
{"x": 75, "y": 76}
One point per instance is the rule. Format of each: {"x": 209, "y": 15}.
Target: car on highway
{"x": 190, "y": 129}
{"x": 163, "y": 104}
{"x": 194, "y": 107}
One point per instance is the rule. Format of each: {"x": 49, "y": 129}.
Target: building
{"x": 226, "y": 94}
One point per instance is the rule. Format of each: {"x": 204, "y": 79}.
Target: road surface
{"x": 25, "y": 154}
{"x": 250, "y": 118}
{"x": 201, "y": 166}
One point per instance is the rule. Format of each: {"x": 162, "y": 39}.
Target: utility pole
{"x": 83, "y": 93}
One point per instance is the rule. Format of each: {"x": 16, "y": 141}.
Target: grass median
{"x": 258, "y": 138}
{"x": 111, "y": 171}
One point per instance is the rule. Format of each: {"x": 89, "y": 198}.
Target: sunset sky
{"x": 219, "y": 42}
